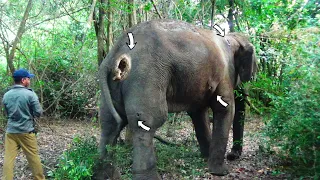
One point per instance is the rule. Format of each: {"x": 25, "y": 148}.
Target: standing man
{"x": 21, "y": 106}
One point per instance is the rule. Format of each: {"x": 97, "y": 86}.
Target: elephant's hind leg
{"x": 144, "y": 125}
{"x": 200, "y": 120}
{"x": 223, "y": 116}
{"x": 110, "y": 130}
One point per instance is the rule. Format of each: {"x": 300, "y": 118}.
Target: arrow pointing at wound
{"x": 221, "y": 32}
{"x": 219, "y": 99}
{"x": 131, "y": 43}
{"x": 140, "y": 123}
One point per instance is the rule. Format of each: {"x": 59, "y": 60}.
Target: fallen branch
{"x": 252, "y": 106}
{"x": 166, "y": 142}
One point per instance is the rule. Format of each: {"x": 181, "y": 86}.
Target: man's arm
{"x": 35, "y": 106}
{"x": 3, "y": 108}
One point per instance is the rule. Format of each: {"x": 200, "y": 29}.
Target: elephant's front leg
{"x": 223, "y": 111}
{"x": 238, "y": 125}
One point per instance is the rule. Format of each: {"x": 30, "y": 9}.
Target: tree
{"x": 230, "y": 15}
{"x": 213, "y": 3}
{"x": 10, "y": 48}
{"x": 99, "y": 29}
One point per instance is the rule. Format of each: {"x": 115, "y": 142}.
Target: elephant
{"x": 173, "y": 67}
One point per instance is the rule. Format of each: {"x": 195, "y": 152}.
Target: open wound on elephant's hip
{"x": 122, "y": 68}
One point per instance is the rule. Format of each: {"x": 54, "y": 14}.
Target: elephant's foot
{"x": 106, "y": 171}
{"x": 218, "y": 169}
{"x": 205, "y": 153}
{"x": 233, "y": 155}
{"x": 146, "y": 175}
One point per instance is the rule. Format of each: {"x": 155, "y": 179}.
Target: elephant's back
{"x": 178, "y": 57}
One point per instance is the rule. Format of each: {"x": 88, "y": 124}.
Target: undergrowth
{"x": 77, "y": 162}
{"x": 177, "y": 162}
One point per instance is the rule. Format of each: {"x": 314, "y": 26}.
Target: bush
{"x": 295, "y": 126}
{"x": 77, "y": 162}
{"x": 293, "y": 131}
{"x": 180, "y": 162}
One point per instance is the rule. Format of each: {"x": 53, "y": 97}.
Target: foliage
{"x": 182, "y": 162}
{"x": 292, "y": 124}
{"x": 77, "y": 162}
{"x": 268, "y": 15}
{"x": 121, "y": 156}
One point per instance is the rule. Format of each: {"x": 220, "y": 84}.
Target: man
{"x": 21, "y": 106}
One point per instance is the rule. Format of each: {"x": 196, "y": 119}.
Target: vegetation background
{"x": 63, "y": 42}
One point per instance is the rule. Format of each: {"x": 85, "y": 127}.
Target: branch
{"x": 164, "y": 141}
{"x": 69, "y": 13}
{"x": 42, "y": 7}
{"x": 155, "y": 7}
{"x": 59, "y": 16}
{"x": 247, "y": 100}
{"x": 90, "y": 18}
{"x": 57, "y": 98}
{"x": 19, "y": 35}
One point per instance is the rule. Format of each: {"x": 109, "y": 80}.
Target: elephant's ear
{"x": 244, "y": 56}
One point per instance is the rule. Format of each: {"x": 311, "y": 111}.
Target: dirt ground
{"x": 56, "y": 136}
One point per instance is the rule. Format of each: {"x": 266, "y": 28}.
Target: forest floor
{"x": 56, "y": 137}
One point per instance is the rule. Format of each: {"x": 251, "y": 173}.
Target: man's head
{"x": 22, "y": 77}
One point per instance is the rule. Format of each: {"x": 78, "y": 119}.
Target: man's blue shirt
{"x": 22, "y": 106}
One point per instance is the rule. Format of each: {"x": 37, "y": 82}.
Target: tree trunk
{"x": 230, "y": 15}
{"x": 213, "y": 4}
{"x": 18, "y": 37}
{"x": 132, "y": 18}
{"x": 104, "y": 43}
{"x": 99, "y": 29}
{"x": 156, "y": 9}
{"x": 109, "y": 27}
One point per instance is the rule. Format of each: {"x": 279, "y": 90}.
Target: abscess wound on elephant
{"x": 122, "y": 68}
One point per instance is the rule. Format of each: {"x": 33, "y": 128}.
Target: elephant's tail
{"x": 119, "y": 72}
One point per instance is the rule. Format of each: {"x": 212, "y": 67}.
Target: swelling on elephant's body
{"x": 174, "y": 67}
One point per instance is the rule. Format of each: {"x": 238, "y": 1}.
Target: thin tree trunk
{"x": 18, "y": 37}
{"x": 99, "y": 27}
{"x": 156, "y": 9}
{"x": 90, "y": 18}
{"x": 230, "y": 15}
{"x": 132, "y": 13}
{"x": 237, "y": 21}
{"x": 213, "y": 4}
{"x": 202, "y": 12}
{"x": 109, "y": 27}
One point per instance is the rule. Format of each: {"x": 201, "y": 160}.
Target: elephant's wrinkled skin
{"x": 174, "y": 67}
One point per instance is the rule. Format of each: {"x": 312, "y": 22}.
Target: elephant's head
{"x": 244, "y": 56}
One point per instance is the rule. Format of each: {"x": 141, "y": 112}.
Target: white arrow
{"x": 131, "y": 43}
{"x": 140, "y": 123}
{"x": 219, "y": 98}
{"x": 221, "y": 31}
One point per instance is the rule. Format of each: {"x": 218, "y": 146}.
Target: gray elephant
{"x": 174, "y": 66}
